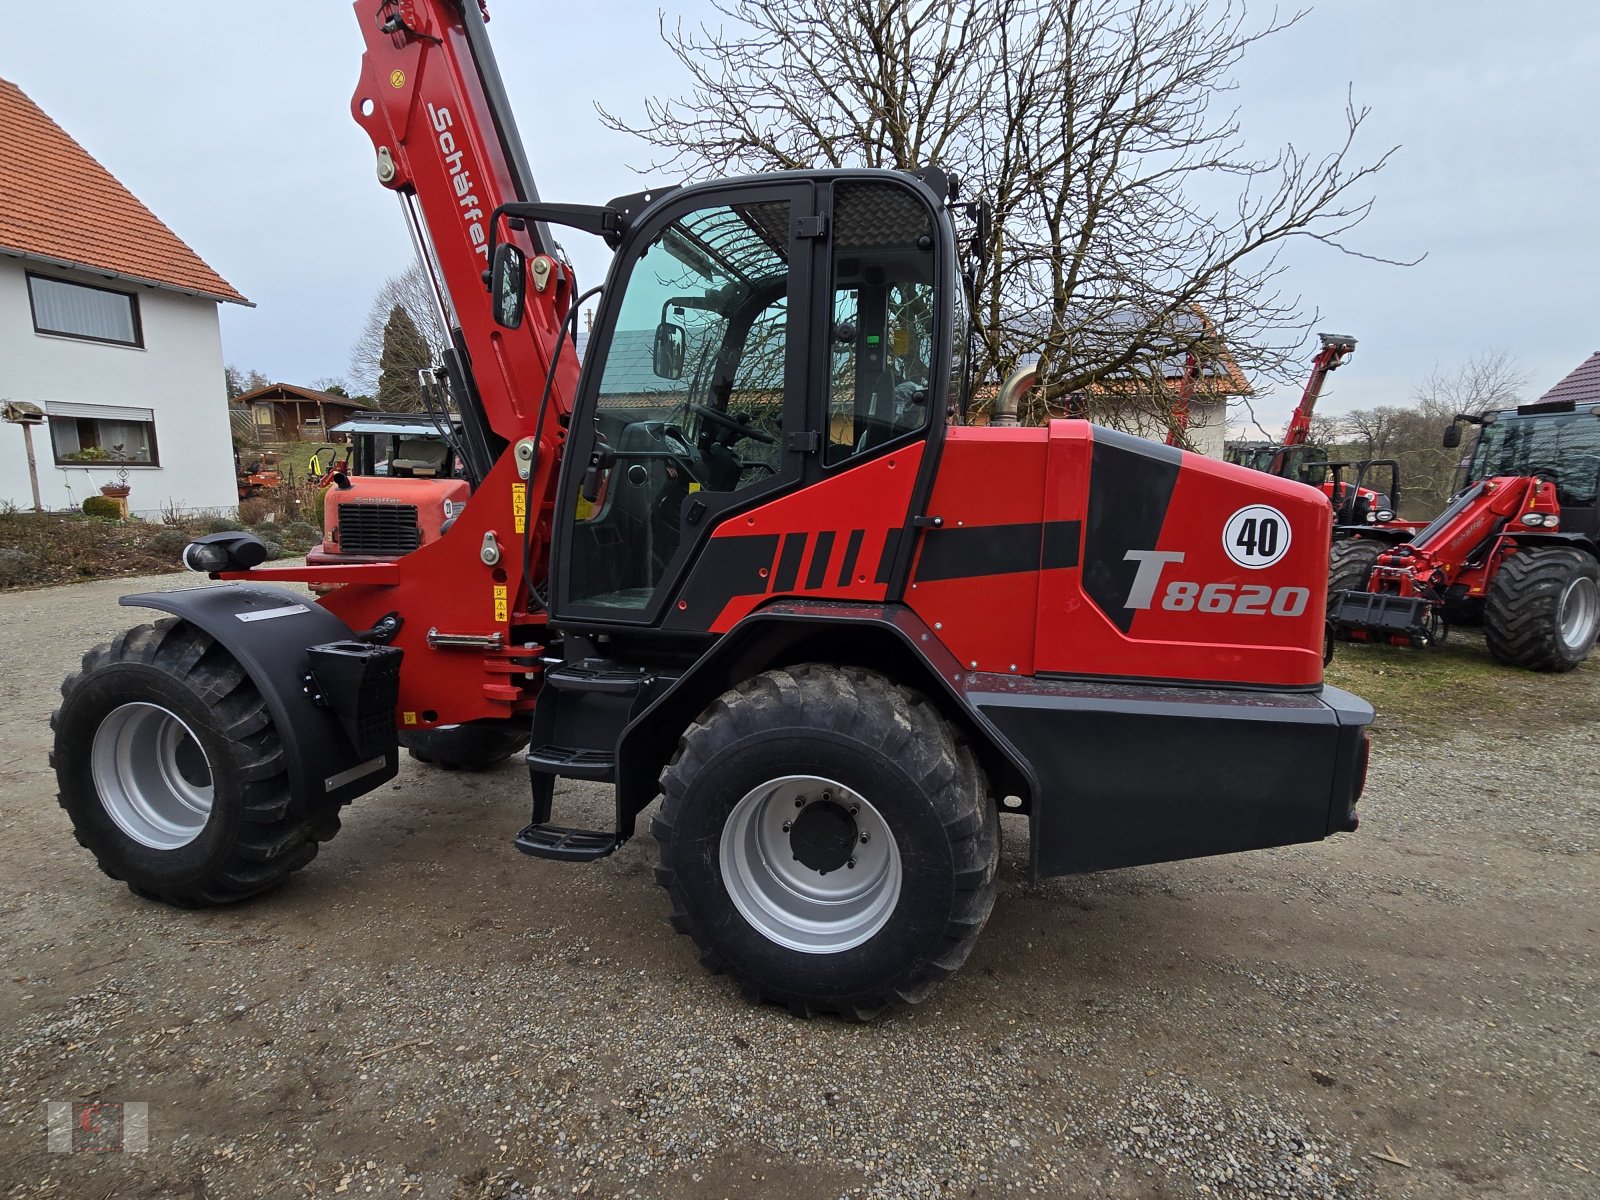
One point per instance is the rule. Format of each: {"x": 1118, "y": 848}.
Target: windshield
{"x": 714, "y": 288}
{"x": 1561, "y": 447}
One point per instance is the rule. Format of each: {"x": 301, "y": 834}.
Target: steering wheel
{"x": 718, "y": 417}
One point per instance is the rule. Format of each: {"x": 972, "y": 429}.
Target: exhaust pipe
{"x": 1016, "y": 386}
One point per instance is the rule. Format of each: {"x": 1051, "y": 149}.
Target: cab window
{"x": 881, "y": 347}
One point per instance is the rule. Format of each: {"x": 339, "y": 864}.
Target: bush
{"x": 102, "y": 506}
{"x": 169, "y": 542}
{"x": 274, "y": 550}
{"x": 219, "y": 525}
{"x": 256, "y": 510}
{"x": 302, "y": 532}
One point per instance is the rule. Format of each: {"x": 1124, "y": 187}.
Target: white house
{"x": 108, "y": 322}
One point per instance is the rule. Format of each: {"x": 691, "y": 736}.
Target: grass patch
{"x": 1458, "y": 686}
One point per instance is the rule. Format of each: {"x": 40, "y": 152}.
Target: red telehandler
{"x": 744, "y": 561}
{"x": 1516, "y": 550}
{"x": 1360, "y": 509}
{"x": 1290, "y": 458}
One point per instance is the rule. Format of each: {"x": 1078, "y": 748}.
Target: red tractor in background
{"x": 401, "y": 484}
{"x": 744, "y": 562}
{"x": 256, "y": 472}
{"x": 1365, "y": 494}
{"x": 1517, "y": 550}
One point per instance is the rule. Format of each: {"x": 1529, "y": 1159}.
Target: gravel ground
{"x": 1407, "y": 1011}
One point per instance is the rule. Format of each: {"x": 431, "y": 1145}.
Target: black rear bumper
{"x": 1129, "y": 774}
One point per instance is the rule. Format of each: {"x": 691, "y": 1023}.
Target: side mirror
{"x": 1452, "y": 436}
{"x": 666, "y": 358}
{"x": 508, "y": 285}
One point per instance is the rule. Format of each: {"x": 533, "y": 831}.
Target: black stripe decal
{"x": 794, "y": 549}
{"x": 1130, "y": 486}
{"x": 727, "y": 567}
{"x": 847, "y": 569}
{"x": 820, "y": 553}
{"x": 969, "y": 551}
{"x": 1061, "y": 540}
{"x": 891, "y": 547}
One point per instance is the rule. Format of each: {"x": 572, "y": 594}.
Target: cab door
{"x": 695, "y": 371}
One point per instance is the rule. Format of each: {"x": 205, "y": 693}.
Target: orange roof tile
{"x": 57, "y": 203}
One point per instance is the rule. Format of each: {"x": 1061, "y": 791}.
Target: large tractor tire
{"x": 1543, "y": 609}
{"x": 1350, "y": 564}
{"x": 829, "y": 840}
{"x": 475, "y": 746}
{"x": 173, "y": 774}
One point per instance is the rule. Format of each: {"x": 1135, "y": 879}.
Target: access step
{"x": 572, "y": 762}
{"x": 566, "y": 845}
{"x": 598, "y": 678}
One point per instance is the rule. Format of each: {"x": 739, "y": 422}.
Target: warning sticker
{"x": 519, "y": 506}
{"x": 501, "y": 605}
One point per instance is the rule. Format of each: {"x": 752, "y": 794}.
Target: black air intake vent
{"x": 383, "y": 529}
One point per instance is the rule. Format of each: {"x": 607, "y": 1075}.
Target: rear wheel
{"x": 172, "y": 772}
{"x": 475, "y": 746}
{"x": 1350, "y": 564}
{"x": 828, "y": 839}
{"x": 1543, "y": 609}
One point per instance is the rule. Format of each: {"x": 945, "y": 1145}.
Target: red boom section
{"x": 422, "y": 101}
{"x": 1334, "y": 351}
{"x": 440, "y": 142}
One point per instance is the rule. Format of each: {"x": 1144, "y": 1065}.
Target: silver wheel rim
{"x": 1580, "y": 612}
{"x": 796, "y": 903}
{"x": 152, "y": 776}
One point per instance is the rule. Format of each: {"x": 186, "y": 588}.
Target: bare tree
{"x": 1373, "y": 432}
{"x": 1097, "y": 130}
{"x": 408, "y": 290}
{"x": 1485, "y": 381}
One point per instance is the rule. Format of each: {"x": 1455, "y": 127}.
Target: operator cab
{"x": 1556, "y": 441}
{"x": 754, "y": 338}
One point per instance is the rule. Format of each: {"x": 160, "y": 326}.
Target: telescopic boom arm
{"x": 1336, "y": 348}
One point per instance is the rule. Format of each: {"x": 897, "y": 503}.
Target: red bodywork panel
{"x": 853, "y": 519}
{"x": 1068, "y": 550}
{"x": 1069, "y": 612}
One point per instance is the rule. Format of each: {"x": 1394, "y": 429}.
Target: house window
{"x": 88, "y": 435}
{"x": 77, "y": 310}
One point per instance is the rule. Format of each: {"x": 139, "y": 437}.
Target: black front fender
{"x": 269, "y": 632}
{"x": 888, "y": 638}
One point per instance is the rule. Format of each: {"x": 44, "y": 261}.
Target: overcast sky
{"x": 231, "y": 121}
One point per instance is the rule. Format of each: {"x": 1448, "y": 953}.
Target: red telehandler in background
{"x": 1516, "y": 550}
{"x": 1361, "y": 507}
{"x": 744, "y": 562}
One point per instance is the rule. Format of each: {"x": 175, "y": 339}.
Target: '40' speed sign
{"x": 1256, "y": 536}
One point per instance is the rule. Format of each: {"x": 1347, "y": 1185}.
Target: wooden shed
{"x": 285, "y": 412}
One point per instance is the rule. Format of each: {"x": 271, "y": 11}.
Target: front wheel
{"x": 1350, "y": 564}
{"x": 828, "y": 839}
{"x": 173, "y": 774}
{"x": 1543, "y": 609}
